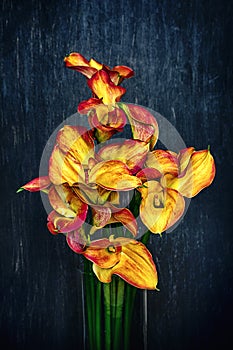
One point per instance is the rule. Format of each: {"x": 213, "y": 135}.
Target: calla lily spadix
{"x": 89, "y": 177}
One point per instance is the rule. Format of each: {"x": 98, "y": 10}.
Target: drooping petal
{"x": 143, "y": 124}
{"x": 131, "y": 152}
{"x": 64, "y": 224}
{"x": 50, "y": 224}
{"x": 64, "y": 168}
{"x": 78, "y": 141}
{"x": 76, "y": 240}
{"x": 163, "y": 161}
{"x": 78, "y": 63}
{"x": 136, "y": 267}
{"x": 37, "y": 184}
{"x": 85, "y": 106}
{"x": 113, "y": 175}
{"x": 70, "y": 212}
{"x": 123, "y": 72}
{"x": 104, "y": 88}
{"x": 160, "y": 208}
{"x": 199, "y": 174}
{"x": 184, "y": 158}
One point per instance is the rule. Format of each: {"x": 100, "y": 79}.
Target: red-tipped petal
{"x": 36, "y": 184}
{"x": 131, "y": 152}
{"x": 86, "y": 106}
{"x": 143, "y": 123}
{"x": 104, "y": 89}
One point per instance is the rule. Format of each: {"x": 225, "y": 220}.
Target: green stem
{"x": 118, "y": 315}
{"x": 107, "y": 313}
{"x": 88, "y": 304}
{"x": 98, "y": 316}
{"x": 113, "y": 301}
{"x": 130, "y": 295}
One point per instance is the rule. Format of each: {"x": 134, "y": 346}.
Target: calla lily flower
{"x": 124, "y": 257}
{"x": 79, "y": 63}
{"x": 160, "y": 208}
{"x": 184, "y": 174}
{"x": 197, "y": 171}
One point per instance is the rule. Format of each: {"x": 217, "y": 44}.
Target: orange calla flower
{"x": 79, "y": 63}
{"x": 124, "y": 257}
{"x": 197, "y": 172}
{"x": 160, "y": 208}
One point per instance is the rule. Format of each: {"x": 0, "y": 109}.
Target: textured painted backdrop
{"x": 181, "y": 52}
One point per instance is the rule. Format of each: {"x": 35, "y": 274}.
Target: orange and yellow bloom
{"x": 86, "y": 184}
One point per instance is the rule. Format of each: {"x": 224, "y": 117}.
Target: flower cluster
{"x": 86, "y": 183}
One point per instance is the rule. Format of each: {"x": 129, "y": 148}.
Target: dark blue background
{"x": 181, "y": 52}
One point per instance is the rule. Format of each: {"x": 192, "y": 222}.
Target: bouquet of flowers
{"x": 108, "y": 196}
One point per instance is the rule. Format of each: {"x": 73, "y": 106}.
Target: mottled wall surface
{"x": 181, "y": 52}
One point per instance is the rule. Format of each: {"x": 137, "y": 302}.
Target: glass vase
{"x": 114, "y": 314}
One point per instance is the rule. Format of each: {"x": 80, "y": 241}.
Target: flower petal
{"x": 127, "y": 219}
{"x": 184, "y": 158}
{"x": 143, "y": 123}
{"x": 37, "y": 184}
{"x": 119, "y": 73}
{"x": 113, "y": 175}
{"x": 85, "y": 106}
{"x": 78, "y": 63}
{"x": 103, "y": 253}
{"x": 147, "y": 174}
{"x": 160, "y": 208}
{"x": 64, "y": 168}
{"x": 131, "y": 152}
{"x": 95, "y": 194}
{"x": 78, "y": 141}
{"x": 163, "y": 161}
{"x": 101, "y": 216}
{"x": 107, "y": 120}
{"x": 199, "y": 174}
{"x": 136, "y": 267}
{"x": 76, "y": 240}
{"x": 59, "y": 205}
{"x": 103, "y": 88}
{"x": 64, "y": 224}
